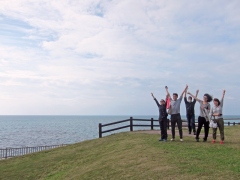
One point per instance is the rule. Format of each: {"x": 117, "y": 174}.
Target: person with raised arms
{"x": 162, "y": 118}
{"x": 175, "y": 113}
{"x": 190, "y": 112}
{"x": 216, "y": 112}
{"x": 203, "y": 118}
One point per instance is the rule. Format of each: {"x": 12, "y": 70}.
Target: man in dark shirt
{"x": 190, "y": 112}
{"x": 162, "y": 118}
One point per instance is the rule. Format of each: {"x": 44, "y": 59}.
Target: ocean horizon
{"x": 40, "y": 130}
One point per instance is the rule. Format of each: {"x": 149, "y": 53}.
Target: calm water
{"x": 19, "y": 131}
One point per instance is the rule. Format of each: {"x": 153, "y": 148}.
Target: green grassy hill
{"x": 131, "y": 155}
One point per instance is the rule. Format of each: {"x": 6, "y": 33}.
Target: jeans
{"x": 163, "y": 127}
{"x": 191, "y": 122}
{"x": 202, "y": 121}
{"x": 220, "y": 124}
{"x": 176, "y": 118}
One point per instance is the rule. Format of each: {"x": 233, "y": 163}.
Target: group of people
{"x": 209, "y": 117}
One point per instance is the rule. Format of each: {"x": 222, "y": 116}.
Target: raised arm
{"x": 223, "y": 94}
{"x": 185, "y": 97}
{"x": 185, "y": 89}
{"x": 197, "y": 93}
{"x": 194, "y": 101}
{"x": 168, "y": 94}
{"x": 194, "y": 97}
{"x": 153, "y": 96}
{"x": 155, "y": 100}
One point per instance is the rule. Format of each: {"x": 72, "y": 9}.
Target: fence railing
{"x": 151, "y": 124}
{"x": 13, "y": 152}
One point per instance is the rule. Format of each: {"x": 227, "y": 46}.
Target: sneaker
{"x": 221, "y": 142}
{"x": 165, "y": 140}
{"x": 181, "y": 140}
{"x": 172, "y": 139}
{"x": 213, "y": 141}
{"x": 160, "y": 139}
{"x": 197, "y": 140}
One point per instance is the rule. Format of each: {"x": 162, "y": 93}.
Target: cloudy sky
{"x": 96, "y": 57}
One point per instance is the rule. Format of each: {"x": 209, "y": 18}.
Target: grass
{"x": 131, "y": 155}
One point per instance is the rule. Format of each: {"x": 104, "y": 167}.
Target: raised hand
{"x": 223, "y": 94}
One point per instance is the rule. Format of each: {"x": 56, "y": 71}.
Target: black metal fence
{"x": 150, "y": 123}
{"x": 13, "y": 152}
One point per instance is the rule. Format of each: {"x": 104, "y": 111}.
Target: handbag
{"x": 213, "y": 124}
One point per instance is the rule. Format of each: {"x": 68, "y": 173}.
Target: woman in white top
{"x": 216, "y": 113}
{"x": 203, "y": 118}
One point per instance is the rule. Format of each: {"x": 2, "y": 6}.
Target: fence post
{"x": 100, "y": 129}
{"x": 234, "y": 123}
{"x": 6, "y": 154}
{"x": 151, "y": 123}
{"x": 228, "y": 123}
{"x": 131, "y": 124}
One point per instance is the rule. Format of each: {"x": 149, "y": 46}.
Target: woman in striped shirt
{"x": 216, "y": 113}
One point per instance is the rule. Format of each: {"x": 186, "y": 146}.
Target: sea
{"x": 31, "y": 131}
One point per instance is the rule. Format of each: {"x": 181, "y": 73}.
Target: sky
{"x": 105, "y": 57}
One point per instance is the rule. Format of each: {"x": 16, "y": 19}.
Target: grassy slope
{"x": 131, "y": 156}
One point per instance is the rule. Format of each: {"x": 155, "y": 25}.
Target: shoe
{"x": 189, "y": 133}
{"x": 213, "y": 141}
{"x": 181, "y": 140}
{"x": 197, "y": 140}
{"x": 221, "y": 142}
{"x": 194, "y": 133}
{"x": 172, "y": 139}
{"x": 165, "y": 140}
{"x": 204, "y": 140}
{"x": 160, "y": 139}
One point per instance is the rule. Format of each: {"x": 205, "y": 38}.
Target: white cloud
{"x": 105, "y": 57}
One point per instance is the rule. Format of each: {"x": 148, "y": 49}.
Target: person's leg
{"x": 179, "y": 124}
{"x": 221, "y": 128}
{"x": 214, "y": 133}
{"x": 206, "y": 129}
{"x": 161, "y": 131}
{"x": 193, "y": 124}
{"x": 173, "y": 123}
{"x": 189, "y": 123}
{"x": 164, "y": 124}
{"x": 200, "y": 124}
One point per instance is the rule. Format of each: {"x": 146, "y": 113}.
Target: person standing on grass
{"x": 203, "y": 118}
{"x": 162, "y": 118}
{"x": 190, "y": 112}
{"x": 175, "y": 113}
{"x": 216, "y": 112}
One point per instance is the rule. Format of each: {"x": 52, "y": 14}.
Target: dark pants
{"x": 176, "y": 118}
{"x": 163, "y": 127}
{"x": 202, "y": 121}
{"x": 191, "y": 122}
